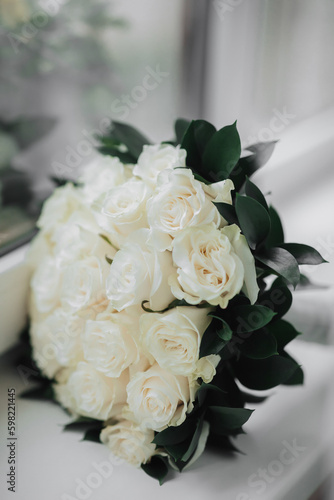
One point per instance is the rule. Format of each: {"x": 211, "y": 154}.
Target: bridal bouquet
{"x": 160, "y": 283}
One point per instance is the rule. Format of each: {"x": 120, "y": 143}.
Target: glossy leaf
{"x": 278, "y": 298}
{"x": 222, "y": 419}
{"x": 248, "y": 318}
{"x": 254, "y": 192}
{"x": 262, "y": 374}
{"x": 248, "y": 164}
{"x": 81, "y": 423}
{"x": 44, "y": 391}
{"x": 276, "y": 233}
{"x": 194, "y": 441}
{"x": 304, "y": 254}
{"x": 173, "y": 435}
{"x": 130, "y": 137}
{"x": 157, "y": 468}
{"x": 252, "y": 398}
{"x": 283, "y": 332}
{"x": 259, "y": 345}
{"x": 194, "y": 142}
{"x": 180, "y": 126}
{"x": 222, "y": 153}
{"x": 228, "y": 212}
{"x": 254, "y": 220}
{"x": 93, "y": 434}
{"x": 124, "y": 157}
{"x": 210, "y": 394}
{"x": 215, "y": 337}
{"x": 281, "y": 262}
{"x": 297, "y": 378}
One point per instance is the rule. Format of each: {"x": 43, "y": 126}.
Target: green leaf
{"x": 222, "y": 152}
{"x": 283, "y": 331}
{"x": 247, "y": 165}
{"x": 276, "y": 234}
{"x": 281, "y": 262}
{"x": 194, "y": 142}
{"x": 228, "y": 212}
{"x": 211, "y": 394}
{"x": 259, "y": 345}
{"x": 254, "y": 220}
{"x": 200, "y": 445}
{"x": 278, "y": 298}
{"x": 262, "y": 374}
{"x": 222, "y": 419}
{"x": 93, "y": 434}
{"x": 81, "y": 423}
{"x": 254, "y": 192}
{"x": 222, "y": 443}
{"x": 123, "y": 156}
{"x": 194, "y": 442}
{"x": 26, "y": 131}
{"x": 175, "y": 434}
{"x": 131, "y": 137}
{"x": 59, "y": 181}
{"x": 108, "y": 259}
{"x": 251, "y": 317}
{"x": 176, "y": 451}
{"x": 45, "y": 392}
{"x": 198, "y": 177}
{"x": 251, "y": 398}
{"x": 215, "y": 337}
{"x": 304, "y": 254}
{"x": 121, "y": 133}
{"x": 180, "y": 126}
{"x": 224, "y": 332}
{"x": 157, "y": 467}
{"x": 297, "y": 378}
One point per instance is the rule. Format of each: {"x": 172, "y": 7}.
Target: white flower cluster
{"x": 163, "y": 239}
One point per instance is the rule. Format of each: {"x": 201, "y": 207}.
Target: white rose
{"x": 83, "y": 283}
{"x": 91, "y": 394}
{"x": 139, "y": 272}
{"x": 72, "y": 242}
{"x": 43, "y": 350}
{"x": 102, "y": 174}
{"x": 46, "y": 285}
{"x": 56, "y": 341}
{"x": 173, "y": 339}
{"x": 157, "y": 398}
{"x": 108, "y": 343}
{"x": 40, "y": 247}
{"x": 122, "y": 210}
{"x": 129, "y": 442}
{"x": 206, "y": 368}
{"x": 59, "y": 207}
{"x": 182, "y": 201}
{"x": 210, "y": 268}
{"x": 154, "y": 159}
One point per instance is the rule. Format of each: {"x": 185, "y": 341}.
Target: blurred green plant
{"x": 18, "y": 212}
{"x": 70, "y": 39}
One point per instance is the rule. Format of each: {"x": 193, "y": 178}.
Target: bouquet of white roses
{"x": 153, "y": 305}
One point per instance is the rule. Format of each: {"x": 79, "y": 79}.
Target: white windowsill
{"x": 14, "y": 283}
